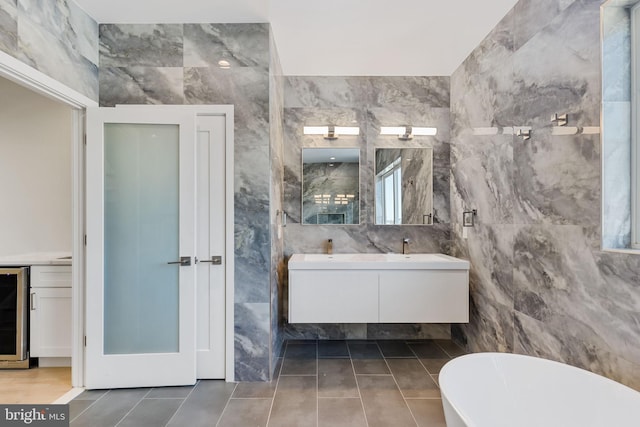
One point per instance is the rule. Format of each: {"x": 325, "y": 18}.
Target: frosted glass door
{"x": 141, "y": 283}
{"x": 141, "y": 230}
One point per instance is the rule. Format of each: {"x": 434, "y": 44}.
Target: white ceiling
{"x": 337, "y": 37}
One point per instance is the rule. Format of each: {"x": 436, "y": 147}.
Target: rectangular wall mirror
{"x": 404, "y": 186}
{"x": 330, "y": 186}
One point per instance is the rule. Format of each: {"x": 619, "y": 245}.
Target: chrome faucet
{"x": 329, "y": 246}
{"x": 405, "y": 246}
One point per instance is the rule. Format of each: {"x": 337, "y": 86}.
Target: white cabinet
{"x": 50, "y": 314}
{"x": 364, "y": 291}
{"x": 424, "y": 296}
{"x": 322, "y": 297}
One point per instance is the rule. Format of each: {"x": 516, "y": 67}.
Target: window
{"x": 635, "y": 126}
{"x": 389, "y": 186}
{"x": 620, "y": 130}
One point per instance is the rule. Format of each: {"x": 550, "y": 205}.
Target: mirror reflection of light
{"x": 347, "y": 130}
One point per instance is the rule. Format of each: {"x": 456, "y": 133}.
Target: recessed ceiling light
{"x": 224, "y": 64}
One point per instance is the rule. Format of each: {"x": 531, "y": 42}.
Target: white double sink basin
{"x": 376, "y": 261}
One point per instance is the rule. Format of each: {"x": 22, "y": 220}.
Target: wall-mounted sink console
{"x": 378, "y": 288}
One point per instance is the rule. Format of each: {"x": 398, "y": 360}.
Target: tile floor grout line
{"x": 94, "y": 402}
{"x": 275, "y": 390}
{"x": 355, "y": 376}
{"x": 429, "y": 373}
{"x": 134, "y": 407}
{"x": 226, "y": 404}
{"x": 399, "y": 389}
{"x": 300, "y": 375}
{"x": 183, "y": 402}
{"x": 422, "y": 364}
{"x": 164, "y": 398}
{"x": 445, "y": 350}
{"x": 423, "y": 398}
{"x": 337, "y": 397}
{"x": 436, "y": 380}
{"x": 374, "y": 375}
{"x": 414, "y": 352}
{"x": 248, "y": 398}
{"x": 424, "y": 367}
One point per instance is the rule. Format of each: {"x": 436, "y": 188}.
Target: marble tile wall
{"x": 55, "y": 37}
{"x": 368, "y": 102}
{"x": 178, "y": 64}
{"x": 540, "y": 284}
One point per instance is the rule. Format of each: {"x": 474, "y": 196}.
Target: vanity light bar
{"x": 331, "y": 131}
{"x": 424, "y": 131}
{"x": 574, "y": 130}
{"x": 315, "y": 130}
{"x": 347, "y": 130}
{"x": 393, "y": 130}
{"x": 406, "y": 132}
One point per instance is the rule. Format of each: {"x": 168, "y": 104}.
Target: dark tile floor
{"x": 319, "y": 383}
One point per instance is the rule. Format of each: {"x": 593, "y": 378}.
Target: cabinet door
{"x": 424, "y": 296}
{"x": 336, "y": 296}
{"x": 50, "y": 322}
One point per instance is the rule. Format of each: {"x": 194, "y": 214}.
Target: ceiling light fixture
{"x": 331, "y": 132}
{"x": 224, "y": 64}
{"x": 407, "y": 132}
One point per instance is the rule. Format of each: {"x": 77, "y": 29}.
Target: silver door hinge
{"x": 84, "y": 138}
{"x": 85, "y": 240}
{"x": 85, "y": 340}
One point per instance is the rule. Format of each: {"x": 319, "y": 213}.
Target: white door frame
{"x": 27, "y": 76}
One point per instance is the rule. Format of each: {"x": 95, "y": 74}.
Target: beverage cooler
{"x": 13, "y": 317}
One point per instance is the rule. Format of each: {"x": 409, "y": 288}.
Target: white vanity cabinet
{"x": 378, "y": 288}
{"x": 50, "y": 314}
{"x": 424, "y": 296}
{"x": 321, "y": 296}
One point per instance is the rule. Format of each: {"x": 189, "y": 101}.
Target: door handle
{"x": 215, "y": 260}
{"x": 184, "y": 261}
{"x": 33, "y": 301}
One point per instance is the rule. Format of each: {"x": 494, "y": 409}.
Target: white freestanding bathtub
{"x": 510, "y": 390}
